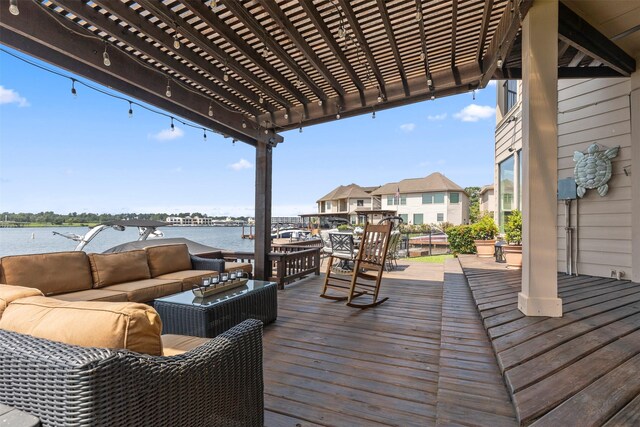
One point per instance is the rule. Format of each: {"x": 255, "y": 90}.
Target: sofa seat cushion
{"x": 118, "y": 325}
{"x": 94, "y": 295}
{"x": 189, "y": 278}
{"x": 167, "y": 259}
{"x": 172, "y": 345}
{"x": 120, "y": 267}
{"x": 233, "y": 266}
{"x": 9, "y": 293}
{"x": 147, "y": 290}
{"x": 52, "y": 273}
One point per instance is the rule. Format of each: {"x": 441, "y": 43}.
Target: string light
{"x": 286, "y": 115}
{"x": 105, "y": 56}
{"x": 233, "y": 141}
{"x": 499, "y": 62}
{"x": 130, "y": 110}
{"x": 173, "y": 128}
{"x": 73, "y": 88}
{"x": 429, "y": 81}
{"x": 338, "y": 113}
{"x": 226, "y": 75}
{"x": 418, "y": 16}
{"x": 474, "y": 94}
{"x": 244, "y": 124}
{"x": 204, "y": 135}
{"x": 265, "y": 52}
{"x": 300, "y": 130}
{"x": 373, "y": 114}
{"x": 422, "y": 55}
{"x": 210, "y": 110}
{"x": 380, "y": 99}
{"x": 320, "y": 102}
{"x": 168, "y": 92}
{"x": 266, "y": 130}
{"x": 341, "y": 32}
{"x": 213, "y": 4}
{"x": 176, "y": 42}
{"x": 13, "y": 7}
{"x": 261, "y": 99}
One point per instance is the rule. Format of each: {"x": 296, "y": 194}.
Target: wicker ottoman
{"x": 184, "y": 314}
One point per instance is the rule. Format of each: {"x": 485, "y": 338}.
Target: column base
{"x": 531, "y": 306}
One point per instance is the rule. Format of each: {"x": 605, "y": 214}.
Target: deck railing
{"x": 288, "y": 262}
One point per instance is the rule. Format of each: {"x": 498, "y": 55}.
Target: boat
{"x": 147, "y": 229}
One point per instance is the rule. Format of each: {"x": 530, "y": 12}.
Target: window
{"x": 417, "y": 219}
{"x": 432, "y": 198}
{"x": 440, "y": 217}
{"x": 391, "y": 200}
{"x": 505, "y": 172}
{"x": 510, "y": 94}
{"x": 405, "y": 218}
{"x": 359, "y": 203}
{"x": 327, "y": 205}
{"x": 453, "y": 198}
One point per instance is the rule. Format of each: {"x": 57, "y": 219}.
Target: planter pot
{"x": 513, "y": 255}
{"x": 485, "y": 248}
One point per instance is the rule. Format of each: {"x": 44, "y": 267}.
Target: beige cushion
{"x": 147, "y": 290}
{"x": 232, "y": 266}
{"x": 167, "y": 259}
{"x": 121, "y": 325}
{"x": 110, "y": 269}
{"x": 9, "y": 293}
{"x": 188, "y": 277}
{"x": 173, "y": 345}
{"x": 52, "y": 273}
{"x": 94, "y": 295}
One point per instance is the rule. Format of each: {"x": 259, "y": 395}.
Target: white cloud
{"x": 407, "y": 127}
{"x": 241, "y": 164}
{"x": 10, "y": 96}
{"x": 491, "y": 83}
{"x": 474, "y": 112}
{"x": 437, "y": 117}
{"x": 167, "y": 134}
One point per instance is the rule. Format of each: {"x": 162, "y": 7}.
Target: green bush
{"x": 485, "y": 228}
{"x": 513, "y": 228}
{"x": 344, "y": 227}
{"x": 461, "y": 239}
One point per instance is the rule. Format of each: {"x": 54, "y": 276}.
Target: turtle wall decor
{"x": 593, "y": 169}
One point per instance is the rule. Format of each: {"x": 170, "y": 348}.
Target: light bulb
{"x": 210, "y": 111}
{"x": 130, "y": 110}
{"x": 300, "y": 130}
{"x": 418, "y": 16}
{"x": 320, "y": 102}
{"x": 433, "y": 97}
{"x": 172, "y": 126}
{"x": 226, "y": 76}
{"x": 168, "y": 92}
{"x": 261, "y": 100}
{"x": 286, "y": 116}
{"x": 244, "y": 124}
{"x": 422, "y": 56}
{"x": 499, "y": 62}
{"x": 429, "y": 82}
{"x": 213, "y": 4}
{"x": 338, "y": 116}
{"x": 341, "y": 32}
{"x": 379, "y": 98}
{"x": 105, "y": 58}
{"x": 176, "y": 42}
{"x": 265, "y": 52}
{"x": 73, "y": 88}
{"x": 373, "y": 115}
{"x": 204, "y": 135}
{"x": 13, "y": 7}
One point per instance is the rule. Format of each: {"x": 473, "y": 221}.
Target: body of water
{"x": 18, "y": 241}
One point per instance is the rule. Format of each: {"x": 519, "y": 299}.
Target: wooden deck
{"x": 329, "y": 364}
{"x": 581, "y": 369}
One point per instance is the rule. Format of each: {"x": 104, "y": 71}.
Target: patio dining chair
{"x": 366, "y": 276}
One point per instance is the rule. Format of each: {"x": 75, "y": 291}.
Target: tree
{"x": 474, "y": 203}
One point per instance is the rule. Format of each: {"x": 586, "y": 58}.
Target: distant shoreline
{"x": 9, "y": 224}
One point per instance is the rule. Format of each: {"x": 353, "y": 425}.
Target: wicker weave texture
{"x": 210, "y": 321}
{"x": 217, "y": 384}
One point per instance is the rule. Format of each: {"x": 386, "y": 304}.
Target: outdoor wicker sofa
{"x": 218, "y": 383}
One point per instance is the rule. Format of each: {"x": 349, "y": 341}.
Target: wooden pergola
{"x": 250, "y": 69}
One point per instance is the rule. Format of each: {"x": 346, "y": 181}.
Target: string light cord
{"x": 64, "y": 22}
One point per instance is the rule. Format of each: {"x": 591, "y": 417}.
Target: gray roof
{"x": 350, "y": 191}
{"x": 434, "y": 182}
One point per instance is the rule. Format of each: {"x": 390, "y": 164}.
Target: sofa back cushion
{"x": 52, "y": 273}
{"x": 168, "y": 259}
{"x": 9, "y": 293}
{"x": 111, "y": 269}
{"x": 119, "y": 325}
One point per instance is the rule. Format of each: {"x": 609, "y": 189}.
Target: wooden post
{"x": 539, "y": 296}
{"x": 635, "y": 169}
{"x": 262, "y": 246}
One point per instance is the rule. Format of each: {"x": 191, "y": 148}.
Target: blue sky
{"x": 84, "y": 154}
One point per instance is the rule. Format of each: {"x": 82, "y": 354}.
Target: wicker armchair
{"x": 217, "y": 384}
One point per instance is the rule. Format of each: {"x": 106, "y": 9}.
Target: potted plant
{"x": 484, "y": 234}
{"x": 513, "y": 234}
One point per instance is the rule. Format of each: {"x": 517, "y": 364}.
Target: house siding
{"x": 597, "y": 111}
{"x": 455, "y": 213}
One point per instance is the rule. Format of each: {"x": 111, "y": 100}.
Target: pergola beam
{"x": 109, "y": 26}
{"x": 577, "y": 32}
{"x": 195, "y": 37}
{"x": 362, "y": 44}
{"x": 325, "y": 33}
{"x": 254, "y": 26}
{"x": 384, "y": 14}
{"x": 454, "y": 28}
{"x": 482, "y": 39}
{"x": 211, "y": 18}
{"x": 513, "y": 73}
{"x": 289, "y": 29}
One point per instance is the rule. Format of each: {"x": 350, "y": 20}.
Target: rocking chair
{"x": 367, "y": 272}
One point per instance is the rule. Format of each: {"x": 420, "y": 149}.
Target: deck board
{"x": 580, "y": 369}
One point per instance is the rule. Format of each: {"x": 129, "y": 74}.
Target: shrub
{"x": 461, "y": 239}
{"x": 485, "y": 228}
{"x": 513, "y": 228}
{"x": 344, "y": 227}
